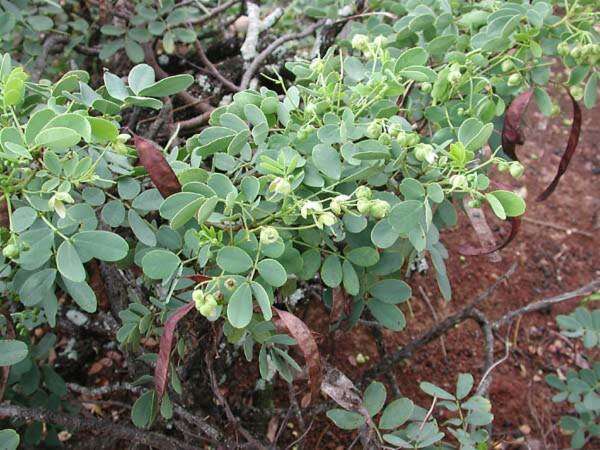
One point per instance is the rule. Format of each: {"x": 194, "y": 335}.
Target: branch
{"x": 542, "y": 304}
{"x": 78, "y": 423}
{"x": 438, "y": 330}
{"x": 213, "y": 69}
{"x": 184, "y": 96}
{"x": 213, "y": 13}
{"x": 248, "y": 49}
{"x": 262, "y": 56}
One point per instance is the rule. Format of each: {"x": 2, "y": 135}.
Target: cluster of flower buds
{"x": 367, "y": 206}
{"x": 583, "y": 54}
{"x": 407, "y": 139}
{"x": 119, "y": 145}
{"x": 515, "y": 168}
{"x": 206, "y": 303}
{"x": 425, "y": 152}
{"x": 338, "y": 204}
{"x": 10, "y": 251}
{"x": 315, "y": 209}
{"x": 454, "y": 75}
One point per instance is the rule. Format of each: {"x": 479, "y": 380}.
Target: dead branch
{"x": 213, "y": 69}
{"x": 542, "y": 304}
{"x": 78, "y": 423}
{"x": 213, "y": 13}
{"x": 248, "y": 49}
{"x": 262, "y": 56}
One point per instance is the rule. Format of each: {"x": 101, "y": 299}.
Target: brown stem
{"x": 78, "y": 423}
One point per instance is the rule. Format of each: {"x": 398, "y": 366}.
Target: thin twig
{"x": 262, "y": 56}
{"x": 429, "y": 413}
{"x": 78, "y": 423}
{"x": 541, "y": 304}
{"x": 248, "y": 49}
{"x": 558, "y": 227}
{"x": 213, "y": 69}
{"x": 435, "y": 318}
{"x": 213, "y": 13}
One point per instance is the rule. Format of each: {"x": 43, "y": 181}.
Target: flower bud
{"x": 379, "y": 40}
{"x": 280, "y": 186}
{"x": 364, "y": 193}
{"x": 310, "y": 207}
{"x": 458, "y": 181}
{"x": 10, "y": 251}
{"x": 360, "y": 41}
{"x": 363, "y": 206}
{"x": 516, "y": 169}
{"x": 425, "y": 152}
{"x": 426, "y": 87}
{"x": 507, "y": 65}
{"x": 374, "y": 130}
{"x": 576, "y": 92}
{"x": 514, "y": 80}
{"x": 268, "y": 235}
{"x": 198, "y": 297}
{"x": 379, "y": 209}
{"x": 327, "y": 218}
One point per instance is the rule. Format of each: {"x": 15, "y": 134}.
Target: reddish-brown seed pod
{"x": 156, "y": 165}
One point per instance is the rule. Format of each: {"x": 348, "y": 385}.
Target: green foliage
{"x": 580, "y": 388}
{"x": 406, "y": 425}
{"x": 346, "y": 176}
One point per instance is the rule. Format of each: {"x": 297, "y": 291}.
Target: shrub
{"x": 343, "y": 178}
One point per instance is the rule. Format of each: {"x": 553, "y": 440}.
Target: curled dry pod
{"x": 308, "y": 346}
{"x": 469, "y": 250}
{"x": 156, "y": 165}
{"x": 511, "y": 131}
{"x": 166, "y": 343}
{"x": 569, "y": 150}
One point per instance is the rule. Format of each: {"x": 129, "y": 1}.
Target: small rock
{"x": 77, "y": 317}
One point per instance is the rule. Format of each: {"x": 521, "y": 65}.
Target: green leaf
{"x": 543, "y": 101}
{"x": 9, "y": 439}
{"x": 512, "y": 203}
{"x": 327, "y": 160}
{"x": 387, "y": 315}
{"x": 405, "y": 216}
{"x": 82, "y": 294}
{"x": 145, "y": 409}
{"x": 103, "y": 130}
{"x": 134, "y": 51}
{"x": 590, "y": 94}
{"x": 186, "y": 213}
{"x": 374, "y": 397}
{"x": 391, "y": 291}
{"x": 23, "y": 218}
{"x": 346, "y": 420}
{"x": 464, "y": 385}
{"x": 262, "y": 298}
{"x": 37, "y": 287}
{"x": 102, "y": 245}
{"x": 239, "y": 309}
{"x": 350, "y": 278}
{"x": 168, "y": 86}
{"x": 473, "y": 134}
{"x": 141, "y": 229}
{"x": 115, "y": 86}
{"x": 496, "y": 206}
{"x": 160, "y": 264}
{"x": 58, "y": 138}
{"x": 435, "y": 391}
{"x": 54, "y": 381}
{"x": 68, "y": 263}
{"x": 331, "y": 271}
{"x": 272, "y": 272}
{"x": 234, "y": 260}
{"x": 12, "y": 352}
{"x": 396, "y": 413}
{"x": 72, "y": 121}
{"x": 363, "y": 256}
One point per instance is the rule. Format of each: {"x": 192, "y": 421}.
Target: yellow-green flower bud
{"x": 379, "y": 209}
{"x": 268, "y": 235}
{"x": 10, "y": 251}
{"x": 363, "y": 206}
{"x": 280, "y": 186}
{"x": 364, "y": 193}
{"x": 516, "y": 169}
